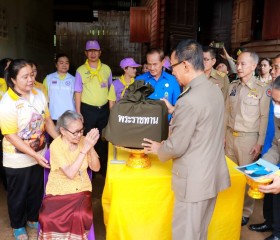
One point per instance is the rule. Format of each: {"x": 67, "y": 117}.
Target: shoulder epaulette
{"x": 184, "y": 92}
{"x": 235, "y": 81}
{"x": 260, "y": 83}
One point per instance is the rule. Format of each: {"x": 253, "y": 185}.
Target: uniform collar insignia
{"x": 250, "y": 83}
{"x": 184, "y": 92}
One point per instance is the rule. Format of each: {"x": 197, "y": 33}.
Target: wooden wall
{"x": 113, "y": 33}
{"x": 268, "y": 48}
{"x": 243, "y": 24}
{"x": 171, "y": 22}
{"x": 233, "y": 22}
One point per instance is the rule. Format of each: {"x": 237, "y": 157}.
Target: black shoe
{"x": 262, "y": 227}
{"x": 244, "y": 221}
{"x": 272, "y": 237}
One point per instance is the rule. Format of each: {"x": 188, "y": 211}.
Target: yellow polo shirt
{"x": 94, "y": 92}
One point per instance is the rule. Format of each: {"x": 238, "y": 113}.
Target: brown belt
{"x": 242, "y": 134}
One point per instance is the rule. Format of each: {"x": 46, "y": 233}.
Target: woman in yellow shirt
{"x": 24, "y": 118}
{"x": 66, "y": 211}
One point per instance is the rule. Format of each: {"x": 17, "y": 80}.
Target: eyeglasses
{"x": 175, "y": 64}
{"x": 75, "y": 134}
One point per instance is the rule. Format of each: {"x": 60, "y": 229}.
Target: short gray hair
{"x": 253, "y": 55}
{"x": 66, "y": 118}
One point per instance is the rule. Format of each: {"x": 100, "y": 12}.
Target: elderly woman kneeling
{"x": 66, "y": 211}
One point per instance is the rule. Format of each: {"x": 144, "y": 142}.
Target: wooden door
{"x": 180, "y": 22}
{"x": 215, "y": 20}
{"x": 243, "y": 21}
{"x": 140, "y": 24}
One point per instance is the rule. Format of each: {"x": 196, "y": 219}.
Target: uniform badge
{"x": 233, "y": 92}
{"x": 268, "y": 92}
{"x": 67, "y": 83}
{"x": 184, "y": 92}
{"x": 103, "y": 84}
{"x": 253, "y": 93}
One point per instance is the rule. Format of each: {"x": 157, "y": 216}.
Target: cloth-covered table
{"x": 138, "y": 203}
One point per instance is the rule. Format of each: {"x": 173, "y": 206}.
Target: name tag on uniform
{"x": 54, "y": 82}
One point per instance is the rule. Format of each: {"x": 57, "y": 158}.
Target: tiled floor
{"x": 98, "y": 183}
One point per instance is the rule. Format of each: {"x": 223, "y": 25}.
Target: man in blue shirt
{"x": 165, "y": 84}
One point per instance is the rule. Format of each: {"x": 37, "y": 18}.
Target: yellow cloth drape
{"x": 126, "y": 85}
{"x": 94, "y": 72}
{"x": 138, "y": 203}
{"x": 226, "y": 220}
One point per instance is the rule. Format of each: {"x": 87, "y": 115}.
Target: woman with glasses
{"x": 24, "y": 118}
{"x": 66, "y": 211}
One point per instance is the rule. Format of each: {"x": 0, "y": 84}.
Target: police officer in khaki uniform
{"x": 216, "y": 77}
{"x": 247, "y": 106}
{"x": 196, "y": 145}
